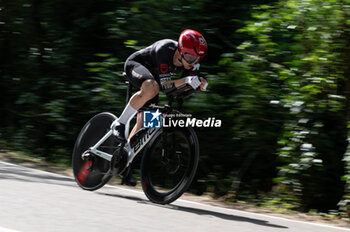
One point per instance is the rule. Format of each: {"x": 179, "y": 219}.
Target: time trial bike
{"x": 169, "y": 160}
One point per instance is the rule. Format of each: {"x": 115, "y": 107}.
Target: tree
{"x": 296, "y": 47}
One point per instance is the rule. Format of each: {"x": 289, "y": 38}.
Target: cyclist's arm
{"x": 182, "y": 81}
{"x": 195, "y": 72}
{"x": 176, "y": 83}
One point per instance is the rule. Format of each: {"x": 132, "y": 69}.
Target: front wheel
{"x": 169, "y": 164}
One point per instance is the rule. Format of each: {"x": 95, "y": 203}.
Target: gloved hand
{"x": 204, "y": 84}
{"x": 193, "y": 81}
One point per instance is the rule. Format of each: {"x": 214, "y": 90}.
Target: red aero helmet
{"x": 192, "y": 42}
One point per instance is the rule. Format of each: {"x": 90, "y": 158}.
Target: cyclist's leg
{"x": 139, "y": 120}
{"x": 137, "y": 126}
{"x": 140, "y": 77}
{"x": 149, "y": 90}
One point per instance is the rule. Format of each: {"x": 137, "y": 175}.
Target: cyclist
{"x": 151, "y": 69}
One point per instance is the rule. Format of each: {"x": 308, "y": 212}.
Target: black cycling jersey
{"x": 156, "y": 62}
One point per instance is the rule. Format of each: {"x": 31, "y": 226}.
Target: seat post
{"x": 129, "y": 89}
{"x": 128, "y": 92}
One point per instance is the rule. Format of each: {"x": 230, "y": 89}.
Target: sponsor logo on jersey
{"x": 135, "y": 74}
{"x": 162, "y": 80}
{"x": 166, "y": 86}
{"x": 164, "y": 68}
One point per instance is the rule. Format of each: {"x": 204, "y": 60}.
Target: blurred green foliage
{"x": 278, "y": 77}
{"x": 294, "y": 72}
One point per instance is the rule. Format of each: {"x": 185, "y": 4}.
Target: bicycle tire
{"x": 95, "y": 172}
{"x": 157, "y": 186}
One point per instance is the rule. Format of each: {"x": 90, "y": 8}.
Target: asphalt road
{"x": 37, "y": 201}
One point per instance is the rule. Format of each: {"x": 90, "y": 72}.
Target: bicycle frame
{"x": 132, "y": 151}
{"x": 178, "y": 93}
{"x": 169, "y": 151}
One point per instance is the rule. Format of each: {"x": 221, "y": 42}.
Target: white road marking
{"x": 2, "y": 229}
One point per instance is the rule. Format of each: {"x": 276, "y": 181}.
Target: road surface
{"x": 37, "y": 201}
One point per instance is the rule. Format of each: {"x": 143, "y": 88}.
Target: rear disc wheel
{"x": 92, "y": 172}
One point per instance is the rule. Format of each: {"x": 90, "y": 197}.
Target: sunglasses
{"x": 190, "y": 59}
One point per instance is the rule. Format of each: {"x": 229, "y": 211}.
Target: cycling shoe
{"x": 119, "y": 132}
